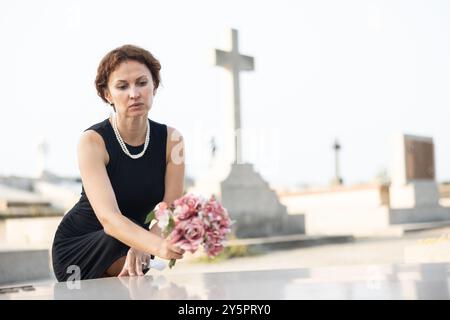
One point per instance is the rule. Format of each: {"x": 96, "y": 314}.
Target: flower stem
{"x": 172, "y": 263}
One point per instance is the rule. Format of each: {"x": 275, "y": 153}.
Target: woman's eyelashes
{"x": 141, "y": 84}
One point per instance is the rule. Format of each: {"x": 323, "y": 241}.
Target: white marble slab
{"x": 412, "y": 281}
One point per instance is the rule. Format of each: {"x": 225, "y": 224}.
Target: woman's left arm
{"x": 175, "y": 167}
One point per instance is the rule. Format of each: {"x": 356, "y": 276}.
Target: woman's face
{"x": 131, "y": 89}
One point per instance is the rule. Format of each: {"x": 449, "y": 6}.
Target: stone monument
{"x": 414, "y": 195}
{"x": 255, "y": 207}
{"x": 251, "y": 203}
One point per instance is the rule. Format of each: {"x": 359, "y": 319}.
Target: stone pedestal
{"x": 254, "y": 206}
{"x": 414, "y": 194}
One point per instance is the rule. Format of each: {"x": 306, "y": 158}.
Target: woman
{"x": 126, "y": 167}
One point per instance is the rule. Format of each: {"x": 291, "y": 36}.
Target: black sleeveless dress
{"x": 138, "y": 185}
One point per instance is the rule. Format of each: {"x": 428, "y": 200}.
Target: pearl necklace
{"x": 122, "y": 143}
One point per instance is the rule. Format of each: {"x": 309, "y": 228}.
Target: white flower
{"x": 163, "y": 221}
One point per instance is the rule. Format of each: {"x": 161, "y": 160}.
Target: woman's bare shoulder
{"x": 92, "y": 142}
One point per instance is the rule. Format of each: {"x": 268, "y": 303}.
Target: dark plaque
{"x": 419, "y": 159}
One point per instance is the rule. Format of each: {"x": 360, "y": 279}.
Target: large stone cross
{"x": 235, "y": 62}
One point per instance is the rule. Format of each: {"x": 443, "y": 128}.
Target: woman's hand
{"x": 168, "y": 251}
{"x": 134, "y": 262}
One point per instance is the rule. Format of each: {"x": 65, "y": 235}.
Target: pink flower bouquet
{"x": 192, "y": 221}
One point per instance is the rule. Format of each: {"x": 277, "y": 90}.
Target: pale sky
{"x": 357, "y": 70}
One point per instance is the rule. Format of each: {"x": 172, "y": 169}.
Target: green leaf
{"x": 172, "y": 263}
{"x": 170, "y": 225}
{"x": 150, "y": 217}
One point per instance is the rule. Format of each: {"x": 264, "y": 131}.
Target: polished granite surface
{"x": 414, "y": 281}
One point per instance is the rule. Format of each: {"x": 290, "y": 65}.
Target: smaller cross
{"x": 337, "y": 147}
{"x": 213, "y": 146}
{"x": 42, "y": 150}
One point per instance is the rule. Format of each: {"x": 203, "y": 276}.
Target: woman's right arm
{"x": 92, "y": 159}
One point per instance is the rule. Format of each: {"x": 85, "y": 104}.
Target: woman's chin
{"x": 137, "y": 112}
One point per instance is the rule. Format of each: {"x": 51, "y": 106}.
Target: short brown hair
{"x": 115, "y": 57}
